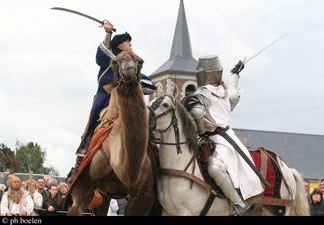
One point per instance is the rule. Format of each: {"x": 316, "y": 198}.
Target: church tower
{"x": 177, "y": 76}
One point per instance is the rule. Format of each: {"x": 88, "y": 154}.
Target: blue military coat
{"x": 103, "y": 58}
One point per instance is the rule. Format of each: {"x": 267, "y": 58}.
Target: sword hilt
{"x": 114, "y": 29}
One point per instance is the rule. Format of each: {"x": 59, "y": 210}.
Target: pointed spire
{"x": 181, "y": 40}
{"x": 181, "y": 59}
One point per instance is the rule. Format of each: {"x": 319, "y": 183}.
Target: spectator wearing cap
{"x": 106, "y": 51}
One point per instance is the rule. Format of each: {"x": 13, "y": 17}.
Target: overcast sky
{"x": 48, "y": 70}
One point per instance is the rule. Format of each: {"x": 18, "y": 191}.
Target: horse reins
{"x": 174, "y": 123}
{"x": 174, "y": 172}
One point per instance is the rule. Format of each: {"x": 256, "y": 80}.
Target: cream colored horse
{"x": 177, "y": 195}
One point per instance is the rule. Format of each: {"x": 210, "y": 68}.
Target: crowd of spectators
{"x": 315, "y": 198}
{"x": 41, "y": 197}
{"x": 46, "y": 197}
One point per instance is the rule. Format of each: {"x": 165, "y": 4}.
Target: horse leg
{"x": 141, "y": 200}
{"x": 82, "y": 194}
{"x": 102, "y": 209}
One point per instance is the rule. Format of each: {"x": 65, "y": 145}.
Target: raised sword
{"x": 82, "y": 14}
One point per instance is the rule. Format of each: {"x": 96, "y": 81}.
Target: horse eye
{"x": 166, "y": 105}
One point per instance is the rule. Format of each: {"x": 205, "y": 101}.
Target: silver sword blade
{"x": 268, "y": 46}
{"x": 81, "y": 14}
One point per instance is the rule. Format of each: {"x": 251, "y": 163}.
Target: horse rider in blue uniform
{"x": 106, "y": 51}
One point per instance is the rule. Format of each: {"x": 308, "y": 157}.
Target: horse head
{"x": 166, "y": 112}
{"x": 161, "y": 113}
{"x": 127, "y": 67}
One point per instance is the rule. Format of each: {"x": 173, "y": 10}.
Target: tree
{"x": 8, "y": 162}
{"x": 32, "y": 157}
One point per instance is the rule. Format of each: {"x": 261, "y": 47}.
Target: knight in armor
{"x": 106, "y": 51}
{"x": 210, "y": 106}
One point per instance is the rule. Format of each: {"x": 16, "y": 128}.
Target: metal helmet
{"x": 209, "y": 70}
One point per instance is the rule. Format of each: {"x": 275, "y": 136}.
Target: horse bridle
{"x": 174, "y": 123}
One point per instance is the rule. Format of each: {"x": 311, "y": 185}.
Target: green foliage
{"x": 8, "y": 162}
{"x": 26, "y": 157}
{"x": 31, "y": 157}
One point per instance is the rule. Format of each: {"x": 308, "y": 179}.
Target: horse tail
{"x": 301, "y": 205}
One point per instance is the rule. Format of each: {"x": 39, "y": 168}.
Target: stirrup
{"x": 238, "y": 209}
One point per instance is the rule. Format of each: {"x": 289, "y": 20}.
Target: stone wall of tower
{"x": 174, "y": 84}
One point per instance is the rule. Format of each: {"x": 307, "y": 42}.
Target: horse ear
{"x": 160, "y": 93}
{"x": 174, "y": 90}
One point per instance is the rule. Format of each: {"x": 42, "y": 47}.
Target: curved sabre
{"x": 82, "y": 14}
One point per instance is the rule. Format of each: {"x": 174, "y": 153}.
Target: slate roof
{"x": 181, "y": 59}
{"x": 304, "y": 152}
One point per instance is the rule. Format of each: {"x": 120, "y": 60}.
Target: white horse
{"x": 180, "y": 195}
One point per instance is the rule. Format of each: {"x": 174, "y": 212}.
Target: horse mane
{"x": 189, "y": 127}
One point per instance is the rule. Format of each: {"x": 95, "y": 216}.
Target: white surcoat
{"x": 217, "y": 115}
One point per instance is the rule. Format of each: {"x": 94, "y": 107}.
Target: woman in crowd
{"x": 54, "y": 202}
{"x": 37, "y": 197}
{"x": 63, "y": 189}
{"x": 316, "y": 204}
